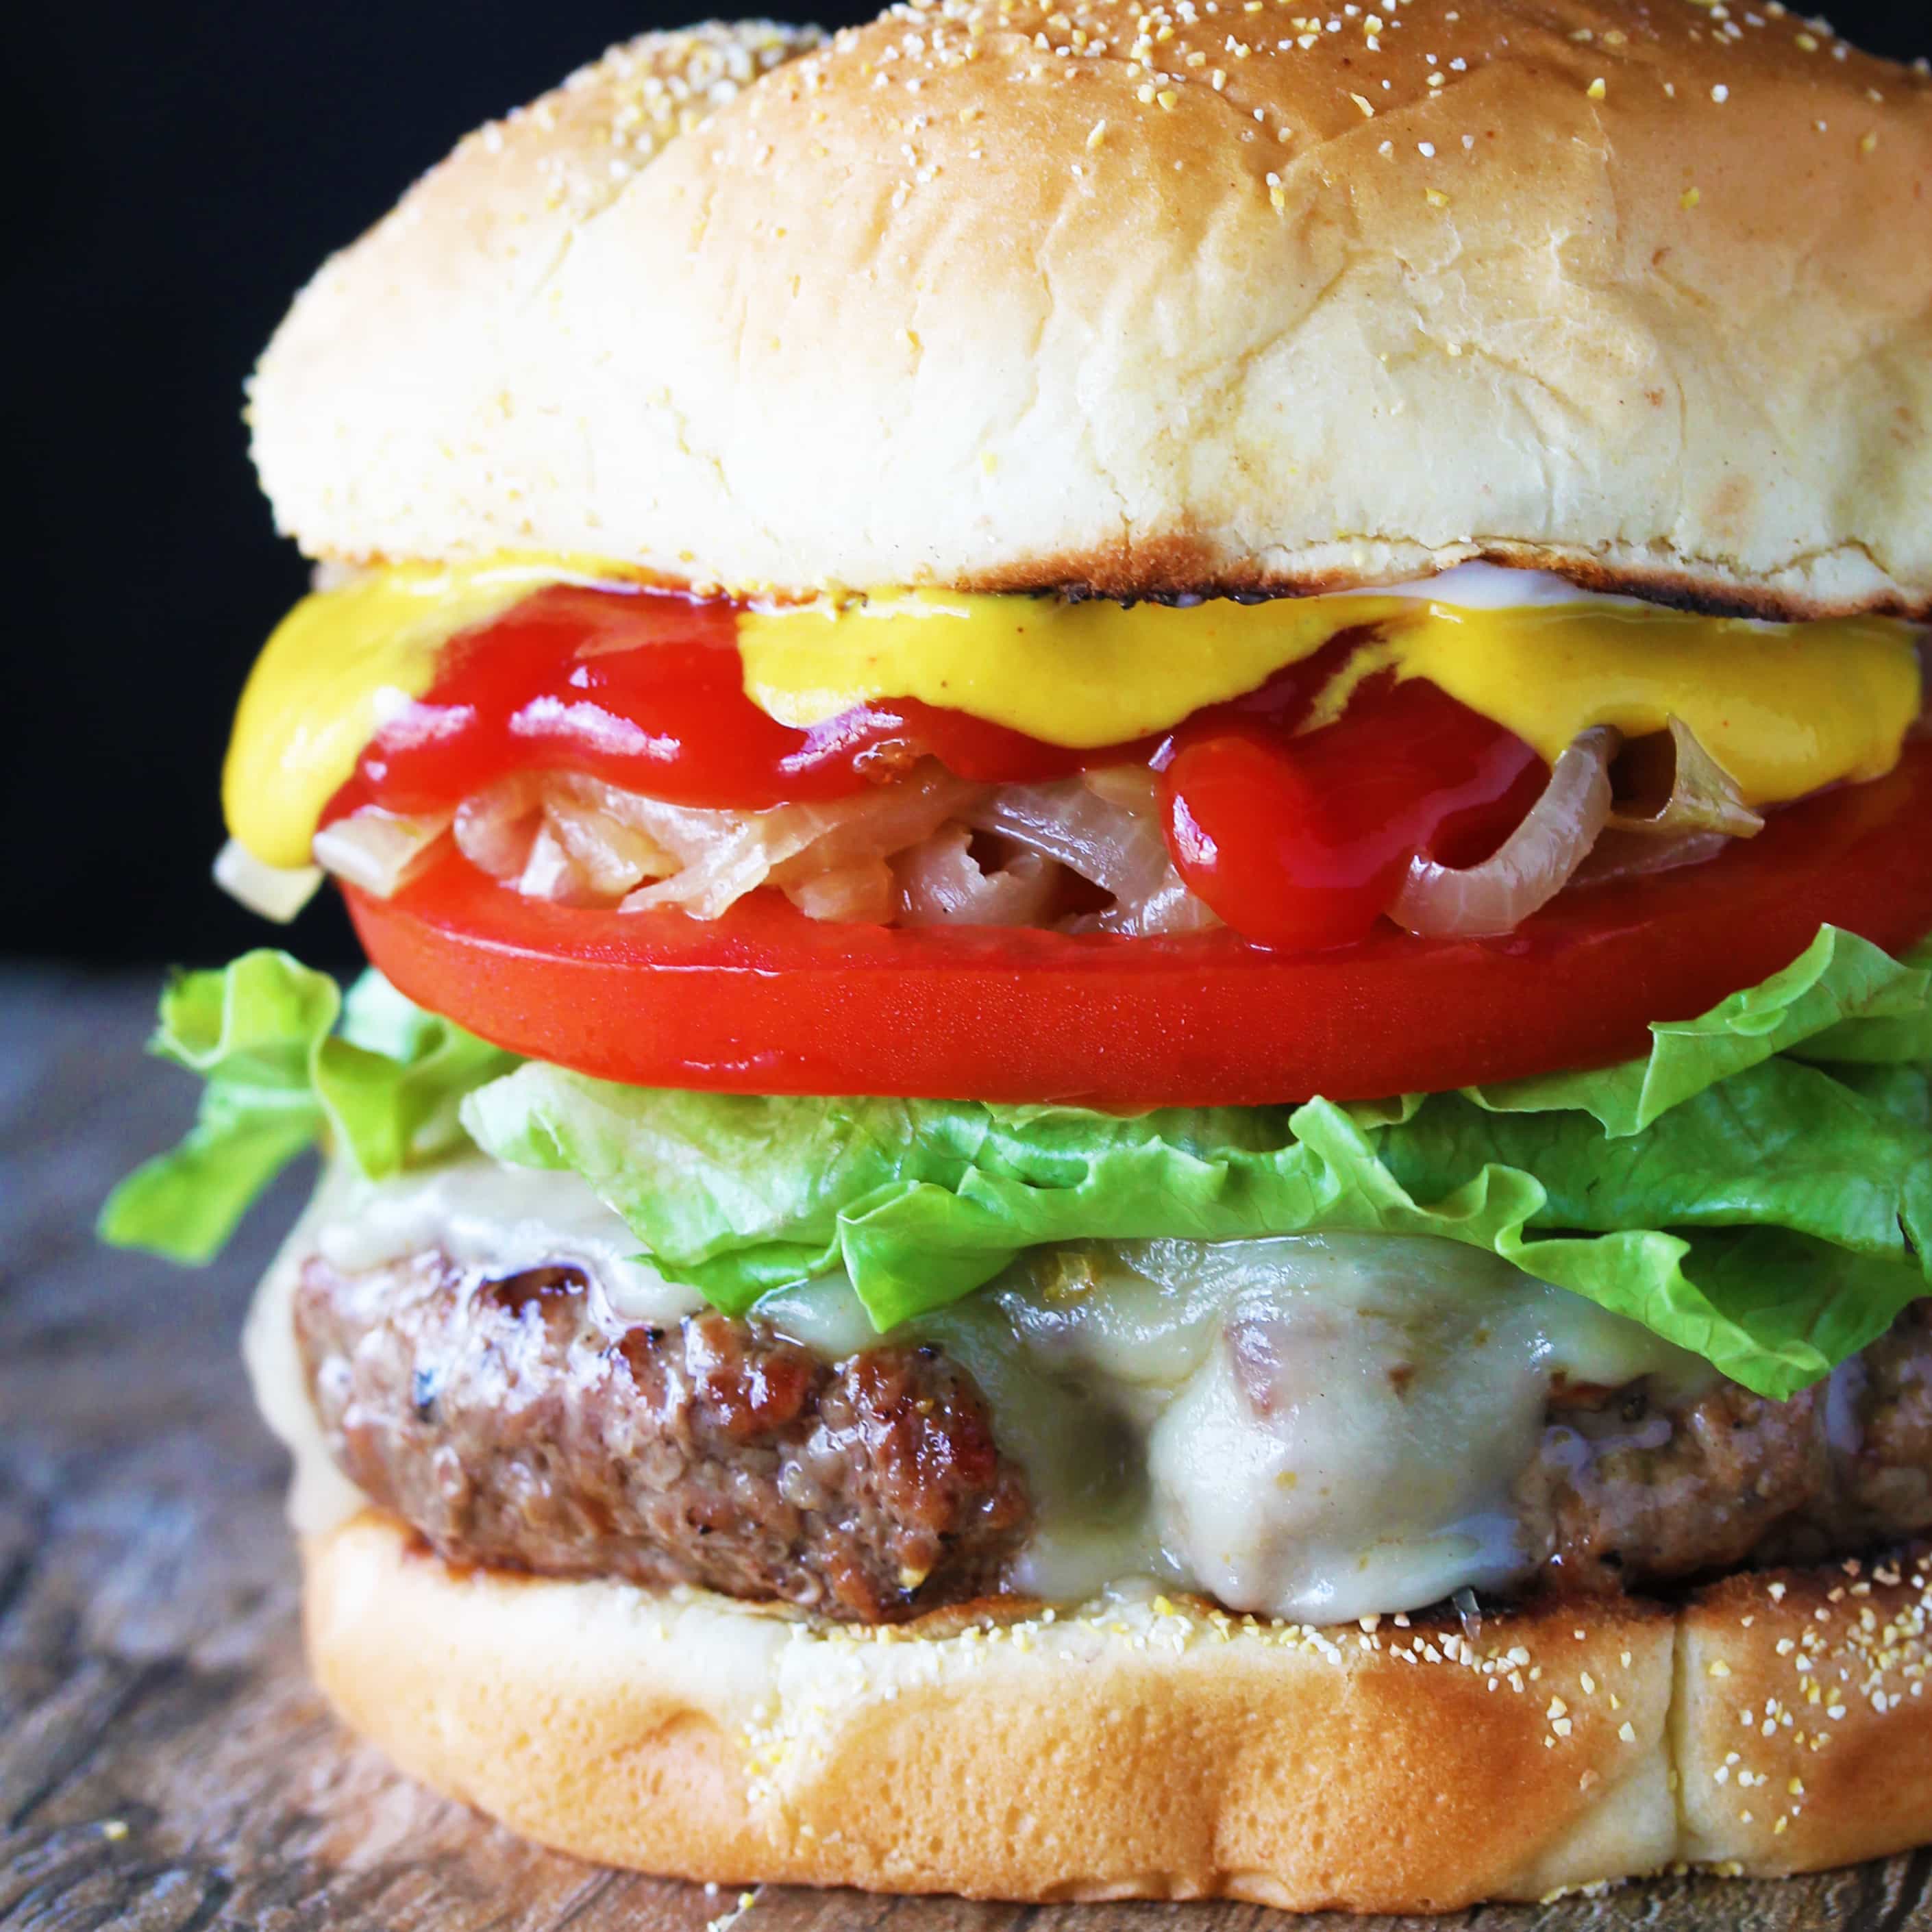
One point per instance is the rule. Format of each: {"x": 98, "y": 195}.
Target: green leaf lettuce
{"x": 1767, "y": 1213}
{"x": 1757, "y": 1188}
{"x": 262, "y": 1033}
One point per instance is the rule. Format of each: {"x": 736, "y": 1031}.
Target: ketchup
{"x": 645, "y": 690}
{"x": 1297, "y": 838}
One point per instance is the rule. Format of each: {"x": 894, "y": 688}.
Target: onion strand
{"x": 278, "y": 892}
{"x": 380, "y": 851}
{"x": 1530, "y": 867}
{"x": 1702, "y": 797}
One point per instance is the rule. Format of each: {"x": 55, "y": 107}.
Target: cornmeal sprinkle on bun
{"x": 1153, "y": 1748}
{"x": 1154, "y": 299}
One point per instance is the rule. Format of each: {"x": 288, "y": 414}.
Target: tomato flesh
{"x": 1296, "y": 839}
{"x": 764, "y": 1000}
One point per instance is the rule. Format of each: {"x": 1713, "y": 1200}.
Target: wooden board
{"x": 164, "y": 1765}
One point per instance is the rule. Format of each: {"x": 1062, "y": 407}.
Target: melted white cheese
{"x": 320, "y": 1495}
{"x": 1494, "y": 586}
{"x": 1315, "y": 1427}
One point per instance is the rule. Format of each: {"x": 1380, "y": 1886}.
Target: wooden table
{"x": 164, "y": 1765}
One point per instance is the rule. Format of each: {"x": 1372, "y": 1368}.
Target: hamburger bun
{"x": 993, "y": 294}
{"x": 1773, "y": 1723}
{"x": 1007, "y": 296}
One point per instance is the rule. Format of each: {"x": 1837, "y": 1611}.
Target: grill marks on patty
{"x": 512, "y": 1423}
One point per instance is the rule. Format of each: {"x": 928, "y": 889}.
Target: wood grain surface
{"x": 164, "y": 1765}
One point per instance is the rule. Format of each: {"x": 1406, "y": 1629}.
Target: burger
{"x": 1145, "y": 1102}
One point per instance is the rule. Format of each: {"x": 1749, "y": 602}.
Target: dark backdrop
{"x": 190, "y": 166}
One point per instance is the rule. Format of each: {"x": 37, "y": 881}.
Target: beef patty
{"x": 513, "y": 1422}
{"x": 1634, "y": 1491}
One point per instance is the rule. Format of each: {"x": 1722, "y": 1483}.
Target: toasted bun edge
{"x": 1772, "y": 1724}
{"x": 957, "y": 298}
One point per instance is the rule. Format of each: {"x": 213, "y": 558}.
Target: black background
{"x": 187, "y": 168}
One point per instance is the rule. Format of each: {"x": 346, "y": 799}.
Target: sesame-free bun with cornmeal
{"x": 1148, "y": 1748}
{"x": 998, "y": 293}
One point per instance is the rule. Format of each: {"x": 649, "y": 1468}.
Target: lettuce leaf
{"x": 262, "y": 1033}
{"x": 923, "y": 1201}
{"x": 1891, "y": 1040}
{"x": 1842, "y": 998}
{"x": 1757, "y": 1188}
{"x": 1769, "y": 1214}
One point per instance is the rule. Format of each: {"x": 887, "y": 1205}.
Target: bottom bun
{"x": 1145, "y": 1748}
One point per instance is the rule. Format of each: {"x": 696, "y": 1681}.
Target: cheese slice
{"x": 1786, "y": 708}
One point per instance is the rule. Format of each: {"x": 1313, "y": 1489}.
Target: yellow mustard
{"x": 1786, "y": 708}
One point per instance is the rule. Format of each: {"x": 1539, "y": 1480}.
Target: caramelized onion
{"x": 380, "y": 851}
{"x": 548, "y": 873}
{"x": 725, "y": 854}
{"x": 611, "y": 855}
{"x": 495, "y": 828}
{"x": 904, "y": 850}
{"x": 577, "y": 839}
{"x": 864, "y": 893}
{"x": 273, "y": 892}
{"x": 559, "y": 837}
{"x": 1700, "y": 796}
{"x": 1106, "y": 827}
{"x": 1632, "y": 855}
{"x": 941, "y": 883}
{"x": 1531, "y": 866}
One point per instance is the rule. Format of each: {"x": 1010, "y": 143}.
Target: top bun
{"x": 1152, "y": 296}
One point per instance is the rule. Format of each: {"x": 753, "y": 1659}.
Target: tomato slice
{"x": 765, "y": 1001}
